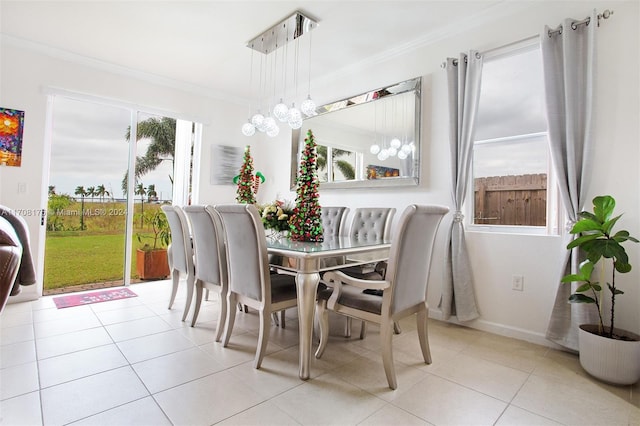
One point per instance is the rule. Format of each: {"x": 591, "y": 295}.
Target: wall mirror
{"x": 368, "y": 140}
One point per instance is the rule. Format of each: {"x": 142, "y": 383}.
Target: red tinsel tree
{"x": 306, "y": 223}
{"x": 245, "y": 192}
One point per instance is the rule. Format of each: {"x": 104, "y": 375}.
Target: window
{"x": 511, "y": 179}
{"x": 336, "y": 164}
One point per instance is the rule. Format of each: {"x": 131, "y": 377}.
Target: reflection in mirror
{"x": 368, "y": 140}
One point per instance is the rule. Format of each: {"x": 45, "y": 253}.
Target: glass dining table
{"x": 307, "y": 260}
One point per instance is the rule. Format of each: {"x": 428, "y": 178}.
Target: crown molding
{"x": 151, "y": 78}
{"x": 492, "y": 13}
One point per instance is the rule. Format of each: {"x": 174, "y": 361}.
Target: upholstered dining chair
{"x": 180, "y": 254}
{"x": 369, "y": 223}
{"x": 250, "y": 281}
{"x": 209, "y": 252}
{"x": 404, "y": 288}
{"x": 333, "y": 220}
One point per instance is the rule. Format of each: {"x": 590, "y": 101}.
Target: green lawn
{"x": 81, "y": 259}
{"x": 74, "y": 257}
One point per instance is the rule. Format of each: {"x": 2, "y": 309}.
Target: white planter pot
{"x": 610, "y": 360}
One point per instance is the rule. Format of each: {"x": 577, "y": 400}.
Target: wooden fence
{"x": 511, "y": 200}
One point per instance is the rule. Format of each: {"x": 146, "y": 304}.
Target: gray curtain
{"x": 463, "y": 77}
{"x": 568, "y": 60}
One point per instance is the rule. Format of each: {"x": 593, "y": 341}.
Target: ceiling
{"x": 202, "y": 44}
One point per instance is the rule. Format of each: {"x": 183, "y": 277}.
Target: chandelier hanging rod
{"x": 289, "y": 29}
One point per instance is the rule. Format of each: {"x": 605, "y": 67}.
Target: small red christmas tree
{"x": 245, "y": 192}
{"x": 306, "y": 222}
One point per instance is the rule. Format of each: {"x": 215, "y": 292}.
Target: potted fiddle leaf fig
{"x": 151, "y": 258}
{"x": 606, "y": 352}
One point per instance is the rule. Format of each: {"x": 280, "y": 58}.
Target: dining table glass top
{"x": 343, "y": 245}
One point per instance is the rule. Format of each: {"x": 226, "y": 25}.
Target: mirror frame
{"x": 413, "y": 85}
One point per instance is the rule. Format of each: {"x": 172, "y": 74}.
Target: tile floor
{"x": 134, "y": 362}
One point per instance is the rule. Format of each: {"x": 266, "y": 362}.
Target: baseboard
{"x": 499, "y": 329}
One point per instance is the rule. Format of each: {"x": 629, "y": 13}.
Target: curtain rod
{"x": 574, "y": 25}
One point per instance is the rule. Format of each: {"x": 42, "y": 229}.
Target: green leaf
{"x": 608, "y": 225}
{"x": 582, "y": 240}
{"x": 571, "y": 278}
{"x": 603, "y": 207}
{"x": 584, "y": 287}
{"x": 586, "y": 225}
{"x": 623, "y": 268}
{"x": 581, "y": 298}
{"x": 588, "y": 215}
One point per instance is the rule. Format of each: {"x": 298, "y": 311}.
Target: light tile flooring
{"x": 133, "y": 362}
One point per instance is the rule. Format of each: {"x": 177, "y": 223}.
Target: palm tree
{"x": 141, "y": 191}
{"x": 101, "y": 191}
{"x": 82, "y": 193}
{"x": 151, "y": 192}
{"x": 52, "y": 190}
{"x": 162, "y": 132}
{"x": 343, "y": 166}
{"x": 91, "y": 192}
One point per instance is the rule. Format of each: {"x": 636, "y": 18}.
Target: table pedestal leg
{"x": 307, "y": 284}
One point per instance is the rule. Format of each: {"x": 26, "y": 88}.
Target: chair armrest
{"x": 337, "y": 278}
{"x": 340, "y": 277}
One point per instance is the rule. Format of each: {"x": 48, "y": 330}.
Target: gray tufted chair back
{"x": 372, "y": 223}
{"x": 333, "y": 219}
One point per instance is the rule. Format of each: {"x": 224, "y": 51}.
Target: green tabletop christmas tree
{"x": 245, "y": 192}
{"x": 306, "y": 223}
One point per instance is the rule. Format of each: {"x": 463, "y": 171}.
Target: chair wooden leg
{"x": 396, "y": 327}
{"x": 175, "y": 281}
{"x": 323, "y": 321}
{"x": 282, "y": 318}
{"x": 231, "y": 318}
{"x": 206, "y": 295}
{"x": 187, "y": 305}
{"x": 263, "y": 339}
{"x": 196, "y": 309}
{"x": 274, "y": 317}
{"x": 423, "y": 335}
{"x": 222, "y": 317}
{"x": 386, "y": 334}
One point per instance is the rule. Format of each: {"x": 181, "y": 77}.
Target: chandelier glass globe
{"x": 308, "y": 107}
{"x": 402, "y": 155}
{"x": 392, "y": 151}
{"x": 257, "y": 120}
{"x": 406, "y": 149}
{"x": 248, "y": 129}
{"x": 374, "y": 149}
{"x": 395, "y": 143}
{"x": 295, "y": 124}
{"x": 295, "y": 117}
{"x": 269, "y": 124}
{"x": 281, "y": 112}
{"x": 383, "y": 155}
{"x": 273, "y": 132}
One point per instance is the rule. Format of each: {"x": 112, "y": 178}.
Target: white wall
{"x": 24, "y": 73}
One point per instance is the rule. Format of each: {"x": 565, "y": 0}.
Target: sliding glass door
{"x": 105, "y": 192}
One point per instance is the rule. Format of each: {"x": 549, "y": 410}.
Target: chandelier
{"x": 278, "y": 70}
{"x": 390, "y": 128}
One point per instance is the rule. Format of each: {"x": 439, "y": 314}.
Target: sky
{"x": 89, "y": 148}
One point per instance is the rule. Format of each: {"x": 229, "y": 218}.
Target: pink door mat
{"x": 93, "y": 297}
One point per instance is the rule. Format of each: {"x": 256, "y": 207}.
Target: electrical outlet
{"x": 22, "y": 187}
{"x": 517, "y": 282}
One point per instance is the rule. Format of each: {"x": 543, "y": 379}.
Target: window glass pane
{"x": 512, "y": 96}
{"x": 510, "y": 158}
